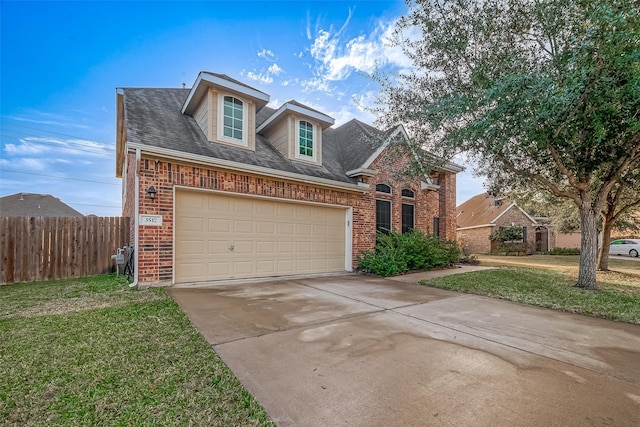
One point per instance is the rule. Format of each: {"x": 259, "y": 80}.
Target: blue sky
{"x": 61, "y": 63}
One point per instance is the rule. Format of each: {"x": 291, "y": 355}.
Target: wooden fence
{"x": 41, "y": 248}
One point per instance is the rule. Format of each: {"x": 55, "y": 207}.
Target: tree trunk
{"x": 603, "y": 252}
{"x": 588, "y": 247}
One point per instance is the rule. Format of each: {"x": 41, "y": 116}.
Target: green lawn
{"x": 621, "y": 271}
{"x": 547, "y": 281}
{"x": 91, "y": 351}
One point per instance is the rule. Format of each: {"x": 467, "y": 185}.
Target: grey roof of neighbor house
{"x": 29, "y": 204}
{"x": 153, "y": 117}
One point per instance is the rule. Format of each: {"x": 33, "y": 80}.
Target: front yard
{"x": 546, "y": 281}
{"x": 91, "y": 351}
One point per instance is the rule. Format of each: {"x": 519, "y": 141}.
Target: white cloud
{"x": 26, "y": 163}
{"x": 268, "y": 55}
{"x": 41, "y": 145}
{"x": 264, "y": 76}
{"x": 49, "y": 119}
{"x": 274, "y": 69}
{"x": 260, "y": 77}
{"x": 26, "y": 148}
{"x": 336, "y": 58}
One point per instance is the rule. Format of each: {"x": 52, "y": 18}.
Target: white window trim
{"x": 244, "y": 142}
{"x": 390, "y": 193}
{"x": 315, "y": 142}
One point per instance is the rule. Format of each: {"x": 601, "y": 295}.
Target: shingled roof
{"x": 483, "y": 209}
{"x": 153, "y": 117}
{"x": 29, "y": 204}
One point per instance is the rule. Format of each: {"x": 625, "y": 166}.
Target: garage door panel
{"x": 191, "y": 247}
{"x": 266, "y": 268}
{"x": 320, "y": 247}
{"x": 243, "y": 226}
{"x": 243, "y": 247}
{"x": 218, "y": 269}
{"x": 191, "y": 224}
{"x": 304, "y": 229}
{"x": 286, "y": 228}
{"x": 285, "y": 211}
{"x": 268, "y": 237}
{"x": 304, "y": 247}
{"x": 268, "y": 248}
{"x": 219, "y": 225}
{"x": 218, "y": 247}
{"x": 218, "y": 204}
{"x": 263, "y": 227}
{"x": 286, "y": 247}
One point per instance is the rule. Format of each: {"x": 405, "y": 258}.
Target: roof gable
{"x": 485, "y": 210}
{"x": 206, "y": 80}
{"x": 299, "y": 109}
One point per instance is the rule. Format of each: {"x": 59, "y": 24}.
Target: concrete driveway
{"x": 361, "y": 351}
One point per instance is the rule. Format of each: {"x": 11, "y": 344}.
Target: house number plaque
{"x": 151, "y": 220}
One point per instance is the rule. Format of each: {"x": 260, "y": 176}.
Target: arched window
{"x": 383, "y": 188}
{"x": 232, "y": 118}
{"x": 408, "y": 193}
{"x": 305, "y": 141}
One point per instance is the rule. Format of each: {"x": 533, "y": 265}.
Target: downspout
{"x": 136, "y": 236}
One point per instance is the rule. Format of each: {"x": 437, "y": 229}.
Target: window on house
{"x": 232, "y": 118}
{"x": 383, "y": 215}
{"x": 407, "y": 217}
{"x": 436, "y": 227}
{"x": 408, "y": 193}
{"x": 305, "y": 142}
{"x": 383, "y": 188}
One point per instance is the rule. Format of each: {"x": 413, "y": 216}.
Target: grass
{"x": 91, "y": 351}
{"x": 621, "y": 272}
{"x": 547, "y": 281}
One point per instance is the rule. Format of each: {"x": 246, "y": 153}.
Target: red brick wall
{"x": 476, "y": 240}
{"x": 155, "y": 257}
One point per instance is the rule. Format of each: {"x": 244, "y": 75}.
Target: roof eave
{"x": 243, "y": 167}
{"x": 325, "y": 121}
{"x": 205, "y": 80}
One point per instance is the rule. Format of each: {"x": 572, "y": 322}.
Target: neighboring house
{"x": 572, "y": 240}
{"x": 29, "y": 204}
{"x": 482, "y": 215}
{"x": 220, "y": 186}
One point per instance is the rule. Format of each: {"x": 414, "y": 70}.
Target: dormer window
{"x": 233, "y": 116}
{"x": 305, "y": 141}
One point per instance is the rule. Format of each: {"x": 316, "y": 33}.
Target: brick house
{"x": 220, "y": 186}
{"x": 482, "y": 215}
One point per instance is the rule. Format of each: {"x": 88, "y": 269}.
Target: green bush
{"x": 397, "y": 253}
{"x": 564, "y": 251}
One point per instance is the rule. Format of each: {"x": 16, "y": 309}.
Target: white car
{"x": 629, "y": 247}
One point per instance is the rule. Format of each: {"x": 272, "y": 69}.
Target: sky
{"x": 62, "y": 62}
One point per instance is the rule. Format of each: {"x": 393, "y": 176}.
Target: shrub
{"x": 564, "y": 251}
{"x": 397, "y": 253}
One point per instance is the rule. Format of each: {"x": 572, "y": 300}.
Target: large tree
{"x": 540, "y": 93}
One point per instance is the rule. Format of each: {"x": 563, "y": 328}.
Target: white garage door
{"x": 220, "y": 236}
